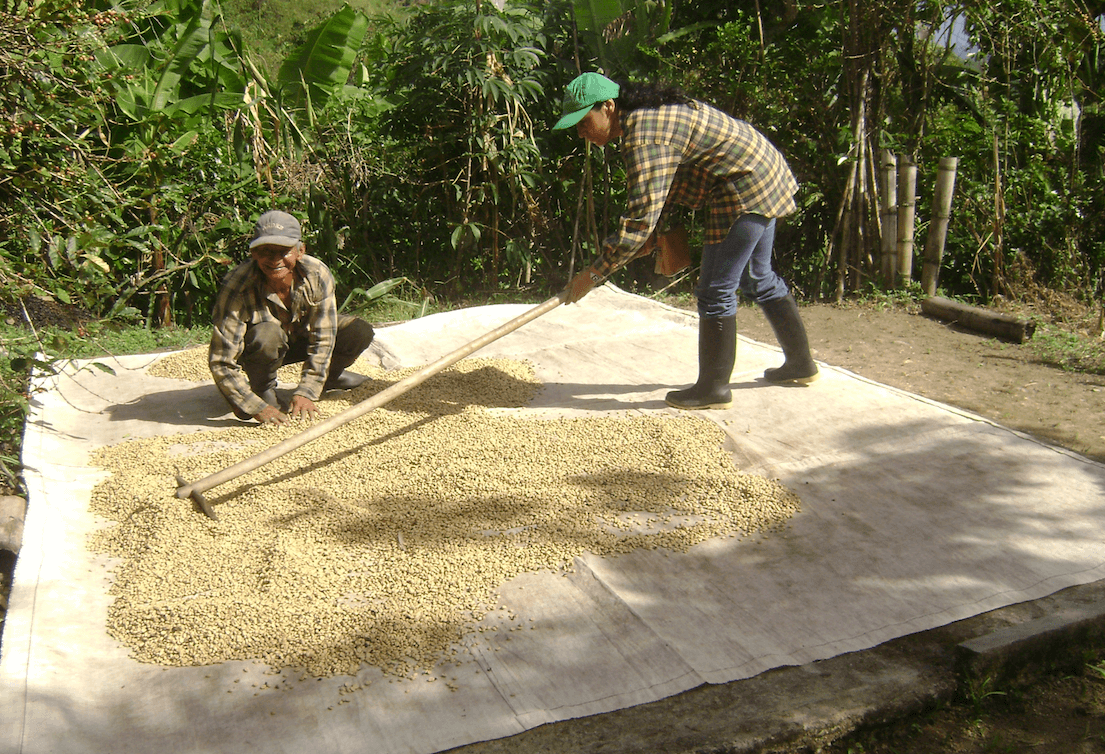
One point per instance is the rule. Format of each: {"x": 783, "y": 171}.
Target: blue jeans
{"x": 742, "y": 260}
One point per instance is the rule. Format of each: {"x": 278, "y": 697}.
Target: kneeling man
{"x": 279, "y": 307}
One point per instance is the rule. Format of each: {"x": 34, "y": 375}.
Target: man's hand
{"x": 271, "y": 415}
{"x": 303, "y": 408}
{"x": 582, "y": 284}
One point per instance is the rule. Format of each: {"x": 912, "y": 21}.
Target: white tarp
{"x": 914, "y": 515}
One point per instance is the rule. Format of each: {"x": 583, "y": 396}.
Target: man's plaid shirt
{"x": 244, "y": 299}
{"x": 698, "y": 157}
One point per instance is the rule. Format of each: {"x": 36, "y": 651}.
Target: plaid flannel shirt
{"x": 698, "y": 157}
{"x": 244, "y": 299}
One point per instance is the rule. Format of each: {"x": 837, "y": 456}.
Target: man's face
{"x": 277, "y": 262}
{"x": 601, "y": 125}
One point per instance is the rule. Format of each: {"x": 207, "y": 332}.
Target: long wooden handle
{"x": 351, "y": 413}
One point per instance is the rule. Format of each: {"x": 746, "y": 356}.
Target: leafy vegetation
{"x": 143, "y": 138}
{"x": 1068, "y": 350}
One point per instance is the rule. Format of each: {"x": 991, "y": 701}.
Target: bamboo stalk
{"x": 843, "y": 220}
{"x": 874, "y": 216}
{"x": 997, "y": 278}
{"x": 861, "y": 197}
{"x": 938, "y": 227}
{"x": 889, "y": 209}
{"x": 907, "y": 206}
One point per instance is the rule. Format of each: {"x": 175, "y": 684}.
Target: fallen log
{"x": 1004, "y": 326}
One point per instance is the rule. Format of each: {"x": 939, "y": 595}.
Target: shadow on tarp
{"x": 951, "y": 518}
{"x": 201, "y": 406}
{"x": 608, "y": 397}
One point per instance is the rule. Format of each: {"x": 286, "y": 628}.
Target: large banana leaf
{"x": 201, "y": 102}
{"x": 614, "y": 28}
{"x": 193, "y": 39}
{"x": 592, "y": 17}
{"x": 130, "y": 56}
{"x": 596, "y": 15}
{"x": 322, "y": 64}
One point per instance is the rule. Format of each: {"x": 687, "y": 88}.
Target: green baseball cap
{"x": 585, "y": 91}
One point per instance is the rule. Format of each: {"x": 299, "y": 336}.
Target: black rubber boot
{"x": 717, "y": 353}
{"x": 265, "y": 390}
{"x": 268, "y": 395}
{"x": 344, "y": 380}
{"x": 798, "y": 366}
{"x": 353, "y": 337}
{"x": 263, "y": 383}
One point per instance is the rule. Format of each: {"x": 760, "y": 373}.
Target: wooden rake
{"x": 195, "y": 490}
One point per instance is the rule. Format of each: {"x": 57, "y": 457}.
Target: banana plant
{"x": 179, "y": 66}
{"x": 316, "y": 71}
{"x": 613, "y": 29}
{"x": 323, "y": 62}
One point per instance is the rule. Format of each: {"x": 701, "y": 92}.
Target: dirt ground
{"x": 1007, "y": 383}
{"x": 1062, "y": 715}
{"x": 1004, "y": 382}
{"x": 1001, "y": 381}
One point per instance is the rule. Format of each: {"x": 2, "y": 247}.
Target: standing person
{"x": 279, "y": 308}
{"x": 681, "y": 151}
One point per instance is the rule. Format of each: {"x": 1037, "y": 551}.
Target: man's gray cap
{"x": 276, "y": 228}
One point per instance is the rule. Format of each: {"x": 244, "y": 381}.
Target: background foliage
{"x": 139, "y": 139}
